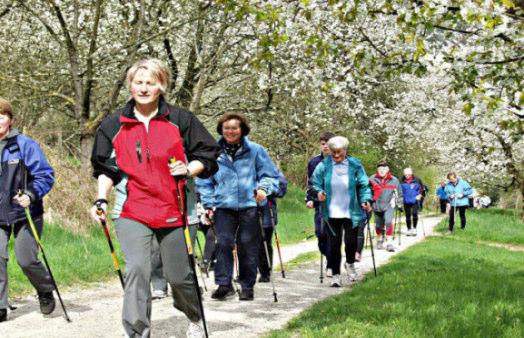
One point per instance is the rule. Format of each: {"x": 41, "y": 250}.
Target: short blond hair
{"x": 156, "y": 67}
{"x": 6, "y": 108}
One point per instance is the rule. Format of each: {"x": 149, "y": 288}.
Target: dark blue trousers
{"x": 241, "y": 226}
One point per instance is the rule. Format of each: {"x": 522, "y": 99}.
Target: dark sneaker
{"x": 3, "y": 315}
{"x": 223, "y": 292}
{"x": 264, "y": 279}
{"x": 47, "y": 302}
{"x": 246, "y": 294}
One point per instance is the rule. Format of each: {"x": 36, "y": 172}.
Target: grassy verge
{"x": 74, "y": 259}
{"x": 443, "y": 287}
{"x": 497, "y": 225}
{"x": 295, "y": 221}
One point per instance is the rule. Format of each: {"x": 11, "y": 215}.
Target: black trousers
{"x": 411, "y": 214}
{"x": 462, "y": 213}
{"x": 342, "y": 226}
{"x": 443, "y": 204}
{"x": 263, "y": 267}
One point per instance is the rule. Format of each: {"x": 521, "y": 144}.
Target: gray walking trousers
{"x": 136, "y": 241}
{"x": 26, "y": 252}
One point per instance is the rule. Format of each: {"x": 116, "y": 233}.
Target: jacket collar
{"x": 128, "y": 112}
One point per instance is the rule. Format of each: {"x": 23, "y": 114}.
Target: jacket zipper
{"x": 138, "y": 151}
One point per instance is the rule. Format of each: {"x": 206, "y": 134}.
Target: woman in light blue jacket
{"x": 457, "y": 191}
{"x": 342, "y": 185}
{"x": 246, "y": 175}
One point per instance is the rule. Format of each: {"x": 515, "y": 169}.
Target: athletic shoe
{"x": 329, "y": 273}
{"x": 158, "y": 294}
{"x": 3, "y": 315}
{"x": 336, "y": 283}
{"x": 390, "y": 247}
{"x": 223, "y": 292}
{"x": 352, "y": 271}
{"x": 358, "y": 257}
{"x": 246, "y": 294}
{"x": 449, "y": 232}
{"x": 264, "y": 279}
{"x": 195, "y": 330}
{"x": 380, "y": 244}
{"x": 414, "y": 232}
{"x": 47, "y": 302}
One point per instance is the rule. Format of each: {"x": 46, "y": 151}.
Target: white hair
{"x": 338, "y": 142}
{"x": 157, "y": 69}
{"x": 408, "y": 171}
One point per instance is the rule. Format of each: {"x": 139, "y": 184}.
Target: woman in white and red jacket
{"x": 136, "y": 143}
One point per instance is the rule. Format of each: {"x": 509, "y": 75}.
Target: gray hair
{"x": 338, "y": 142}
{"x": 408, "y": 171}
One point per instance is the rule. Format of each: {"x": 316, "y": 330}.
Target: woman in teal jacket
{"x": 342, "y": 185}
{"x": 457, "y": 191}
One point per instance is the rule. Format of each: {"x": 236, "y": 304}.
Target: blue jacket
{"x": 461, "y": 190}
{"x": 412, "y": 189}
{"x": 232, "y": 187}
{"x": 359, "y": 190}
{"x": 441, "y": 193}
{"x": 312, "y": 164}
{"x": 23, "y": 166}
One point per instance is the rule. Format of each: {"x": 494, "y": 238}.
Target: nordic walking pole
{"x": 100, "y": 212}
{"x": 399, "y": 226}
{"x": 199, "y": 268}
{"x": 272, "y": 216}
{"x": 264, "y": 239}
{"x": 37, "y": 238}
{"x": 189, "y": 247}
{"x": 321, "y": 233}
{"x": 371, "y": 243}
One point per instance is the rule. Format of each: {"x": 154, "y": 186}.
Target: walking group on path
{"x": 160, "y": 160}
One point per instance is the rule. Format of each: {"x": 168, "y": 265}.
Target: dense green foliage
{"x": 444, "y": 287}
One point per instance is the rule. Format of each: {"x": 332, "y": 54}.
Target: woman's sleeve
{"x": 200, "y": 146}
{"x": 318, "y": 178}
{"x": 266, "y": 171}
{"x": 364, "y": 193}
{"x": 42, "y": 175}
{"x": 206, "y": 189}
{"x": 103, "y": 158}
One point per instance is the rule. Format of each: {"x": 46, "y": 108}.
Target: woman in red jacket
{"x": 136, "y": 143}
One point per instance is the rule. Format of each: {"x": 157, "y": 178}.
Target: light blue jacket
{"x": 233, "y": 186}
{"x": 461, "y": 190}
{"x": 359, "y": 190}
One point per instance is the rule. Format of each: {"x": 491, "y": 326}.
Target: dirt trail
{"x": 95, "y": 310}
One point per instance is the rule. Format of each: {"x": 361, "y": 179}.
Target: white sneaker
{"x": 390, "y": 247}
{"x": 352, "y": 271}
{"x": 329, "y": 273}
{"x": 336, "y": 283}
{"x": 158, "y": 294}
{"x": 195, "y": 330}
{"x": 413, "y": 232}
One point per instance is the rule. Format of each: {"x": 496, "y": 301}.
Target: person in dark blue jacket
{"x": 23, "y": 168}
{"x": 269, "y": 211}
{"x": 311, "y": 199}
{"x": 246, "y": 176}
{"x": 442, "y": 197}
{"x": 412, "y": 190}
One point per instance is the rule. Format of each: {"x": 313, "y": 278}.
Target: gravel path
{"x": 95, "y": 310}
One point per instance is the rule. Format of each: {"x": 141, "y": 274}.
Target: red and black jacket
{"x": 123, "y": 146}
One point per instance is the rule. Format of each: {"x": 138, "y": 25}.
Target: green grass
{"x": 295, "y": 221}
{"x": 296, "y": 262}
{"x": 494, "y": 225}
{"x": 74, "y": 259}
{"x": 443, "y": 287}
